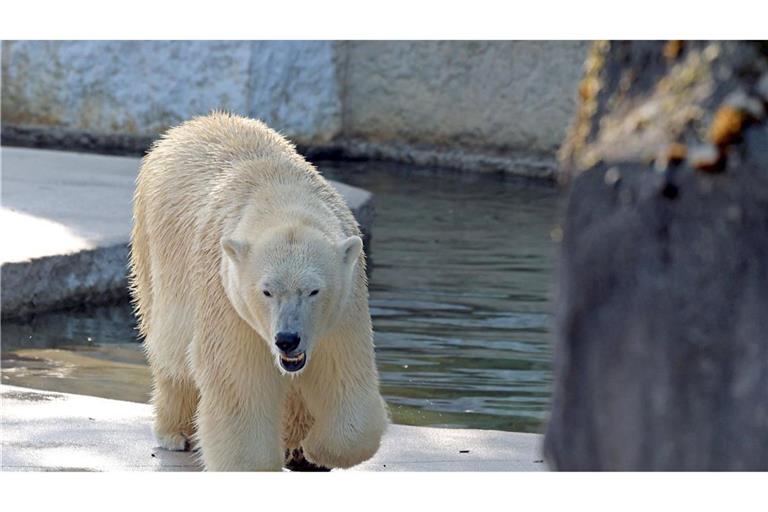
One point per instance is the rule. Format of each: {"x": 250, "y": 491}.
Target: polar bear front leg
{"x": 241, "y": 396}
{"x": 240, "y": 434}
{"x": 241, "y": 392}
{"x": 350, "y": 415}
{"x": 174, "y": 402}
{"x": 348, "y": 431}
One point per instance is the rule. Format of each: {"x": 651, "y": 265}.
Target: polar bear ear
{"x": 235, "y": 249}
{"x": 350, "y": 250}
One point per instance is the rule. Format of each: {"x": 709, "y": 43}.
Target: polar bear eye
{"x": 266, "y": 293}
{"x": 313, "y": 293}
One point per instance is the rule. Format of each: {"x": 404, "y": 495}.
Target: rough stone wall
{"x": 394, "y": 100}
{"x": 142, "y": 87}
{"x": 499, "y": 95}
{"x": 661, "y": 353}
{"x": 295, "y": 87}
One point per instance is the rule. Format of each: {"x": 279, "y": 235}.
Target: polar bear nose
{"x": 287, "y": 341}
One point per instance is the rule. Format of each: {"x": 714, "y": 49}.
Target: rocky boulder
{"x": 661, "y": 355}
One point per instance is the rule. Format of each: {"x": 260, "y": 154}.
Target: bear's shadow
{"x": 295, "y": 461}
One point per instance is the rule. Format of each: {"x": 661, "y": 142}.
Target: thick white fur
{"x": 220, "y": 200}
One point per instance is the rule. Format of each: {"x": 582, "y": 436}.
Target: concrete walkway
{"x": 66, "y": 219}
{"x": 47, "y": 431}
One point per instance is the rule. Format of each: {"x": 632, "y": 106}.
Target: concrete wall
{"x": 476, "y": 96}
{"x": 143, "y": 87}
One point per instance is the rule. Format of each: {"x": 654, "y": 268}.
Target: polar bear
{"x": 248, "y": 280}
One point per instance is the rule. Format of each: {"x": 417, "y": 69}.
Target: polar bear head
{"x": 291, "y": 284}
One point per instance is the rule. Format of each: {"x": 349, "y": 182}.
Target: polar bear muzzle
{"x": 295, "y": 363}
{"x": 290, "y": 359}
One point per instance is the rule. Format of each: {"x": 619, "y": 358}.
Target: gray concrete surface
{"x": 487, "y": 105}
{"x": 143, "y": 87}
{"x": 503, "y": 95}
{"x": 66, "y": 220}
{"x": 47, "y": 431}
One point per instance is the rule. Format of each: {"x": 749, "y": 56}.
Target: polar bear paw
{"x": 175, "y": 442}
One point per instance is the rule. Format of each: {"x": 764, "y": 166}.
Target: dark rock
{"x": 661, "y": 358}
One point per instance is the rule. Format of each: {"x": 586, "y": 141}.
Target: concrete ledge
{"x": 115, "y": 144}
{"x": 66, "y": 224}
{"x": 48, "y": 431}
{"x": 455, "y": 158}
{"x": 513, "y": 163}
{"x": 92, "y": 276}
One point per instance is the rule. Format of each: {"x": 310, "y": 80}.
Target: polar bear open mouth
{"x": 293, "y": 364}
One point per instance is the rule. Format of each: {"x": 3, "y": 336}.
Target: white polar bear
{"x": 248, "y": 278}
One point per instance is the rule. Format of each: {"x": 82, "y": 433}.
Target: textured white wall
{"x": 480, "y": 95}
{"x": 517, "y": 95}
{"x": 144, "y": 87}
{"x": 295, "y": 88}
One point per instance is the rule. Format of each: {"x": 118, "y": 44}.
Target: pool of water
{"x": 460, "y": 299}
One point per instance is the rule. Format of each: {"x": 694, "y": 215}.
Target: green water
{"x": 460, "y": 299}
